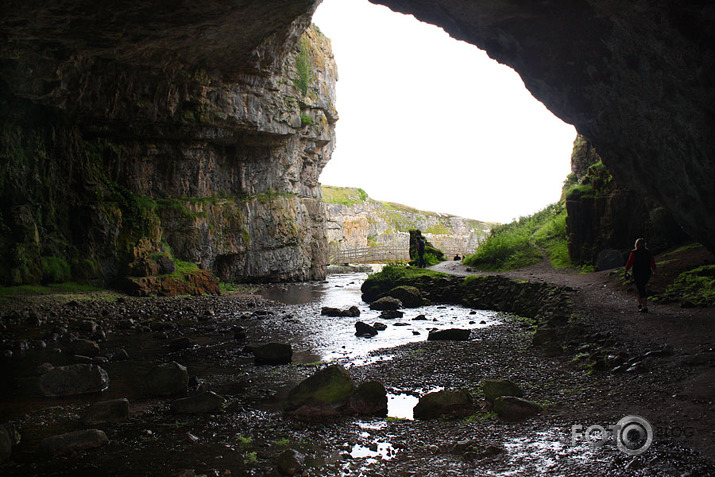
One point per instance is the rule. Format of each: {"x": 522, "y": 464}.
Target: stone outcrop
{"x": 196, "y": 130}
{"x": 354, "y": 220}
{"x": 604, "y": 215}
{"x": 635, "y": 78}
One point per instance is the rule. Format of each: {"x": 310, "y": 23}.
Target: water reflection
{"x": 333, "y": 338}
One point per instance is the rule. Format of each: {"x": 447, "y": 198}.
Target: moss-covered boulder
{"x": 494, "y": 388}
{"x": 444, "y": 403}
{"x": 386, "y": 303}
{"x": 513, "y": 408}
{"x": 329, "y": 387}
{"x": 410, "y": 296}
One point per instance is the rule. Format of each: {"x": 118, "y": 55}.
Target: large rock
{"x": 370, "y": 399}
{"x": 512, "y": 408}
{"x": 116, "y": 410}
{"x": 364, "y": 330}
{"x": 84, "y": 347}
{"x": 71, "y": 442}
{"x": 493, "y": 388}
{"x": 409, "y": 296}
{"x": 273, "y": 353}
{"x": 73, "y": 380}
{"x": 201, "y": 403}
{"x": 290, "y": 462}
{"x": 450, "y": 334}
{"x": 166, "y": 379}
{"x": 386, "y": 303}
{"x": 330, "y": 387}
{"x": 444, "y": 403}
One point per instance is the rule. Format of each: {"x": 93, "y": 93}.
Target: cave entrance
{"x": 432, "y": 122}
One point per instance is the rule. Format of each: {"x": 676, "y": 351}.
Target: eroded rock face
{"x": 635, "y": 78}
{"x": 126, "y": 128}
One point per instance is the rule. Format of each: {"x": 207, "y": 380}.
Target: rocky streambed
{"x": 170, "y": 386}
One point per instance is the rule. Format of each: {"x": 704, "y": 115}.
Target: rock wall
{"x": 121, "y": 146}
{"x": 601, "y": 214}
{"x": 355, "y": 220}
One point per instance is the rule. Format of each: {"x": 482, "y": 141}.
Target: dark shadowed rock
{"x": 116, "y": 410}
{"x": 201, "y": 403}
{"x": 410, "y": 296}
{"x": 5, "y": 445}
{"x": 370, "y": 399}
{"x": 364, "y": 330}
{"x": 71, "y": 442}
{"x": 290, "y": 462}
{"x": 493, "y": 388}
{"x": 391, "y": 314}
{"x": 608, "y": 259}
{"x": 84, "y": 347}
{"x": 451, "y": 334}
{"x": 386, "y": 303}
{"x": 513, "y": 408}
{"x": 330, "y": 387}
{"x": 444, "y": 403}
{"x": 379, "y": 326}
{"x": 167, "y": 379}
{"x": 74, "y": 379}
{"x": 353, "y": 311}
{"x": 273, "y": 353}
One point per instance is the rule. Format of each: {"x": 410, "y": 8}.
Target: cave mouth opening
{"x": 434, "y": 123}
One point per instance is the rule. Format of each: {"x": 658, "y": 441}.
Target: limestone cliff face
{"x": 605, "y": 215}
{"x": 119, "y": 150}
{"x": 354, "y": 220}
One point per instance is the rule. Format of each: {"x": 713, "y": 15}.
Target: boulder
{"x": 353, "y": 311}
{"x": 444, "y": 403}
{"x": 167, "y": 379}
{"x": 370, "y": 399}
{"x": 84, "y": 348}
{"x": 386, "y": 303}
{"x": 116, "y": 410}
{"x": 513, "y": 408}
{"x": 199, "y": 404}
{"x": 608, "y": 259}
{"x": 391, "y": 314}
{"x": 451, "y": 334}
{"x": 493, "y": 388}
{"x": 72, "y": 441}
{"x": 273, "y": 353}
{"x": 410, "y": 296}
{"x": 364, "y": 330}
{"x": 379, "y": 326}
{"x": 73, "y": 380}
{"x": 290, "y": 462}
{"x": 329, "y": 387}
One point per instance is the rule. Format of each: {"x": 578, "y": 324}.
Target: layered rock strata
{"x": 130, "y": 133}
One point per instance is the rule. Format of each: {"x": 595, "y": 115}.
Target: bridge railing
{"x": 369, "y": 255}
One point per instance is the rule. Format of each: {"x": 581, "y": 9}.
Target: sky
{"x": 433, "y": 123}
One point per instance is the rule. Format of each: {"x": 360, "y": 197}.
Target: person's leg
{"x": 640, "y": 286}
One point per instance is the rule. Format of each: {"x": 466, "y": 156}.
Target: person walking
{"x": 642, "y": 261}
{"x": 421, "y": 252}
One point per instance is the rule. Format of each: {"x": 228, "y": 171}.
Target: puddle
{"x": 378, "y": 450}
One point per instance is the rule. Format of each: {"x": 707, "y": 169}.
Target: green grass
{"x": 520, "y": 243}
{"x": 347, "y": 196}
{"x": 696, "y": 286}
{"x": 392, "y": 275}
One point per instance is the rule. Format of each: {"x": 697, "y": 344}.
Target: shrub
{"x": 55, "y": 270}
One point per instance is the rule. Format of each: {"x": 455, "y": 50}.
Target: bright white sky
{"x": 433, "y": 123}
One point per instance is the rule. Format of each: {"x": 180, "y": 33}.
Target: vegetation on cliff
{"x": 523, "y": 242}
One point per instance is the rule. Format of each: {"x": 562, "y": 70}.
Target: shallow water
{"x": 333, "y": 338}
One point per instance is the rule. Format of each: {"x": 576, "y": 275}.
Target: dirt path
{"x": 679, "y": 387}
